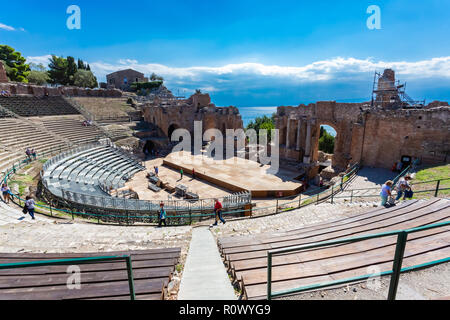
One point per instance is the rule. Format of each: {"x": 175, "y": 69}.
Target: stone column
{"x": 299, "y": 125}
{"x": 287, "y": 133}
{"x": 306, "y": 158}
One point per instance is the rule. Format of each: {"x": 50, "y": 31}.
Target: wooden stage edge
{"x": 232, "y": 187}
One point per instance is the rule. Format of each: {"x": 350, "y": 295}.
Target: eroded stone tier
{"x": 38, "y": 91}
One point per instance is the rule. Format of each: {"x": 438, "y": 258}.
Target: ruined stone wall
{"x": 184, "y": 113}
{"x": 416, "y": 133}
{"x": 39, "y": 91}
{"x": 299, "y": 129}
{"x": 3, "y": 76}
{"x": 374, "y": 137}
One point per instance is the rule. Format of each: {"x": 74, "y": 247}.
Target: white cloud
{"x": 248, "y": 74}
{"x": 6, "y": 27}
{"x": 128, "y": 61}
{"x": 324, "y": 70}
{"x": 39, "y": 59}
{"x": 9, "y": 28}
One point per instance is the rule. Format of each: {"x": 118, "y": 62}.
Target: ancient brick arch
{"x": 315, "y": 142}
{"x": 300, "y": 131}
{"x": 172, "y": 127}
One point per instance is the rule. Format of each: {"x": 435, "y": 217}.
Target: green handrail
{"x": 395, "y": 272}
{"x": 57, "y": 262}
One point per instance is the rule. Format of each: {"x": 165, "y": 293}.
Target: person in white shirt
{"x": 402, "y": 186}
{"x": 29, "y": 204}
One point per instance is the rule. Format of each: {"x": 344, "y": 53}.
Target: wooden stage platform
{"x": 236, "y": 174}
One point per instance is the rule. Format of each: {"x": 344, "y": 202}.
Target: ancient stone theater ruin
{"x": 103, "y": 175}
{"x": 377, "y": 133}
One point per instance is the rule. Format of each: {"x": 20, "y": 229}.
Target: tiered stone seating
{"x": 152, "y": 271}
{"x": 17, "y": 135}
{"x": 29, "y": 106}
{"x": 85, "y": 171}
{"x": 246, "y": 256}
{"x": 71, "y": 128}
{"x": 4, "y": 114}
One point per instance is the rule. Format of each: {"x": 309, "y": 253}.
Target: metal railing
{"x": 434, "y": 189}
{"x": 402, "y": 236}
{"x": 58, "y": 262}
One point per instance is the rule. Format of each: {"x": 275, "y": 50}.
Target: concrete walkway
{"x": 204, "y": 275}
{"x": 10, "y": 215}
{"x": 369, "y": 177}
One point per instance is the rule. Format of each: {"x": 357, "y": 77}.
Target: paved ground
{"x": 10, "y": 215}
{"x": 18, "y": 233}
{"x": 369, "y": 177}
{"x": 204, "y": 275}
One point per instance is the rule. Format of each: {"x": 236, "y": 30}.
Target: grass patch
{"x": 308, "y": 201}
{"x": 429, "y": 174}
{"x": 43, "y": 161}
{"x": 434, "y": 173}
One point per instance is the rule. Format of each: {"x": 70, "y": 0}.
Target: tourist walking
{"x": 29, "y": 206}
{"x": 218, "y": 212}
{"x": 156, "y": 170}
{"x": 403, "y": 188}
{"x": 181, "y": 173}
{"x": 6, "y": 193}
{"x": 386, "y": 192}
{"x": 162, "y": 215}
{"x": 28, "y": 154}
{"x": 193, "y": 173}
{"x": 33, "y": 153}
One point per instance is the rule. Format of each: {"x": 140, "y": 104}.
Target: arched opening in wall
{"x": 149, "y": 147}
{"x": 326, "y": 146}
{"x": 171, "y": 129}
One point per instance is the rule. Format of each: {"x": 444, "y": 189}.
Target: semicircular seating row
{"x": 86, "y": 171}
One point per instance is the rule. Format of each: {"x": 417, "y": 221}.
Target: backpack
{"x": 409, "y": 194}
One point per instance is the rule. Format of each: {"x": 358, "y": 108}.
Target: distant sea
{"x": 250, "y": 113}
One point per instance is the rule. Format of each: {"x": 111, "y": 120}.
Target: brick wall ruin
{"x": 168, "y": 116}
{"x": 373, "y": 136}
{"x": 3, "y": 76}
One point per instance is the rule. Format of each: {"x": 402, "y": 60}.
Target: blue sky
{"x": 247, "y": 53}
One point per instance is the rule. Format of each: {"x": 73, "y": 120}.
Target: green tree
{"x": 38, "y": 77}
{"x": 155, "y": 77}
{"x": 81, "y": 65}
{"x": 16, "y": 68}
{"x": 85, "y": 79}
{"x": 58, "y": 70}
{"x": 71, "y": 70}
{"x": 326, "y": 141}
{"x": 263, "y": 122}
{"x": 37, "y": 67}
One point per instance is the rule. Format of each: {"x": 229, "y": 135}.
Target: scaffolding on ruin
{"x": 393, "y": 93}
